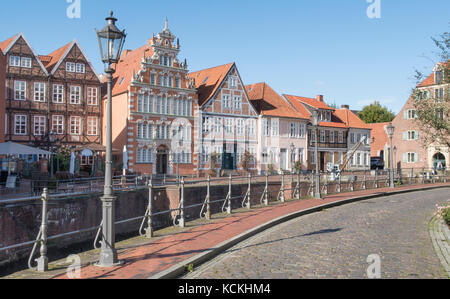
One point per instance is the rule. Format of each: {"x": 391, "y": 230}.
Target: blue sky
{"x": 301, "y": 47}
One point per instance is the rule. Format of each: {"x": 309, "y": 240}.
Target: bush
{"x": 444, "y": 213}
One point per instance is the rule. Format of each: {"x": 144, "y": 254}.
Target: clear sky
{"x": 301, "y": 47}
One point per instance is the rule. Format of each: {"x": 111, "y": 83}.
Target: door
{"x": 162, "y": 158}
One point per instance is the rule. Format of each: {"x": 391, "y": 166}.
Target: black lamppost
{"x": 390, "y": 131}
{"x": 111, "y": 41}
{"x": 315, "y": 123}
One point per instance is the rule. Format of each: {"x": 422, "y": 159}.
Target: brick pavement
{"x": 148, "y": 260}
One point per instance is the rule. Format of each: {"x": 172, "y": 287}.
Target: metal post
{"x": 340, "y": 183}
{"x": 376, "y": 179}
{"x": 182, "y": 221}
{"x": 266, "y": 192}
{"x": 317, "y": 194}
{"x": 149, "y": 230}
{"x": 364, "y": 187}
{"x": 298, "y": 195}
{"x": 249, "y": 202}
{"x": 229, "y": 194}
{"x": 108, "y": 253}
{"x": 42, "y": 261}
{"x": 208, "y": 199}
{"x": 282, "y": 199}
{"x": 391, "y": 166}
{"x": 423, "y": 175}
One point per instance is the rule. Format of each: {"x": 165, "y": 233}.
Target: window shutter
{"x": 416, "y": 157}
{"x": 416, "y": 135}
{"x": 405, "y": 157}
{"x": 405, "y": 135}
{"x": 405, "y": 114}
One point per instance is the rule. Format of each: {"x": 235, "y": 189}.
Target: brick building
{"x": 333, "y": 132}
{"x": 153, "y": 108}
{"x": 282, "y": 140}
{"x": 2, "y": 96}
{"x": 57, "y": 93}
{"x": 225, "y": 122}
{"x": 411, "y": 152}
{"x": 380, "y": 142}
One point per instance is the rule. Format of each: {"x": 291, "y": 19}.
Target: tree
{"x": 433, "y": 105}
{"x": 375, "y": 113}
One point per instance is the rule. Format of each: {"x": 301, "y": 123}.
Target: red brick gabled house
{"x": 2, "y": 96}
{"x": 153, "y": 108}
{"x": 58, "y": 93}
{"x": 410, "y": 149}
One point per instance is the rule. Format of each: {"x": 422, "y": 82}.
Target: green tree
{"x": 433, "y": 102}
{"x": 375, "y": 113}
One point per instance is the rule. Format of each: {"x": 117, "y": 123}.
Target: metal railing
{"x": 331, "y": 183}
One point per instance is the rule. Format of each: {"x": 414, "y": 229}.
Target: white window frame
{"x": 22, "y": 90}
{"x": 39, "y": 125}
{"x": 14, "y": 61}
{"x": 226, "y": 101}
{"x": 58, "y": 124}
{"x": 75, "y": 125}
{"x": 92, "y": 126}
{"x": 20, "y": 122}
{"x": 92, "y": 96}
{"x": 75, "y": 94}
{"x": 71, "y": 67}
{"x": 58, "y": 93}
{"x": 81, "y": 68}
{"x": 39, "y": 92}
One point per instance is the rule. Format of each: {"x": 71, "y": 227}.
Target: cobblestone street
{"x": 335, "y": 243}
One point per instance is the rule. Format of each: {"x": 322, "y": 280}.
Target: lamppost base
{"x": 318, "y": 196}
{"x": 107, "y": 265}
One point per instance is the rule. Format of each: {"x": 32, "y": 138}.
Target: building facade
{"x": 282, "y": 141}
{"x": 153, "y": 108}
{"x": 410, "y": 150}
{"x": 55, "y": 94}
{"x": 333, "y": 133}
{"x": 2, "y": 96}
{"x": 225, "y": 122}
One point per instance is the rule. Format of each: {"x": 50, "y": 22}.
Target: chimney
{"x": 319, "y": 98}
{"x": 345, "y": 107}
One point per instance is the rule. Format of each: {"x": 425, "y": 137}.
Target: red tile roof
{"x": 268, "y": 102}
{"x": 5, "y": 44}
{"x": 430, "y": 79}
{"x": 129, "y": 62}
{"x": 53, "y": 58}
{"x": 311, "y": 102}
{"x": 209, "y": 80}
{"x": 379, "y": 138}
{"x": 300, "y": 106}
{"x": 350, "y": 119}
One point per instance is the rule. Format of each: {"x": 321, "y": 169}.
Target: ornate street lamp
{"x": 111, "y": 41}
{"x": 390, "y": 131}
{"x": 315, "y": 123}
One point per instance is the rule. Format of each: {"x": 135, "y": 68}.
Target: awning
{"x": 11, "y": 148}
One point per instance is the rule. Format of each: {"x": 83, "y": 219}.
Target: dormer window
{"x": 438, "y": 77}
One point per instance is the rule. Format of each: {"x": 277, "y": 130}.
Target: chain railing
{"x": 343, "y": 182}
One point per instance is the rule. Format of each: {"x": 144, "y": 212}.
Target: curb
{"x": 440, "y": 237}
{"x": 179, "y": 269}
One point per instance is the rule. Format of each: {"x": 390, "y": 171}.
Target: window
{"x": 322, "y": 136}
{"x": 301, "y": 157}
{"x": 178, "y": 82}
{"x": 39, "y": 92}
{"x": 237, "y": 100}
{"x": 331, "y": 136}
{"x": 229, "y": 125}
{"x": 206, "y": 125}
{"x": 70, "y": 67}
{"x": 20, "y": 90}
{"x": 39, "y": 125}
{"x": 411, "y": 135}
{"x": 233, "y": 82}
{"x": 25, "y": 62}
{"x": 251, "y": 127}
{"x": 341, "y": 137}
{"x": 293, "y": 130}
{"x": 302, "y": 131}
{"x": 20, "y": 125}
{"x": 226, "y": 102}
{"x": 313, "y": 157}
{"x": 158, "y": 105}
{"x": 240, "y": 127}
{"x": 92, "y": 96}
{"x": 410, "y": 158}
{"x": 58, "y": 124}
{"x": 153, "y": 79}
{"x": 58, "y": 93}
{"x": 410, "y": 114}
{"x": 92, "y": 126}
{"x": 352, "y": 137}
{"x": 144, "y": 156}
{"x": 275, "y": 127}
{"x": 266, "y": 127}
{"x": 14, "y": 61}
{"x": 81, "y": 68}
{"x": 75, "y": 125}
{"x": 75, "y": 94}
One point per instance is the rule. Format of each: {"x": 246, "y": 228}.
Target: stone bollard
{"x": 229, "y": 211}
{"x": 149, "y": 230}
{"x": 282, "y": 199}
{"x": 208, "y": 199}
{"x": 182, "y": 220}
{"x": 249, "y": 202}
